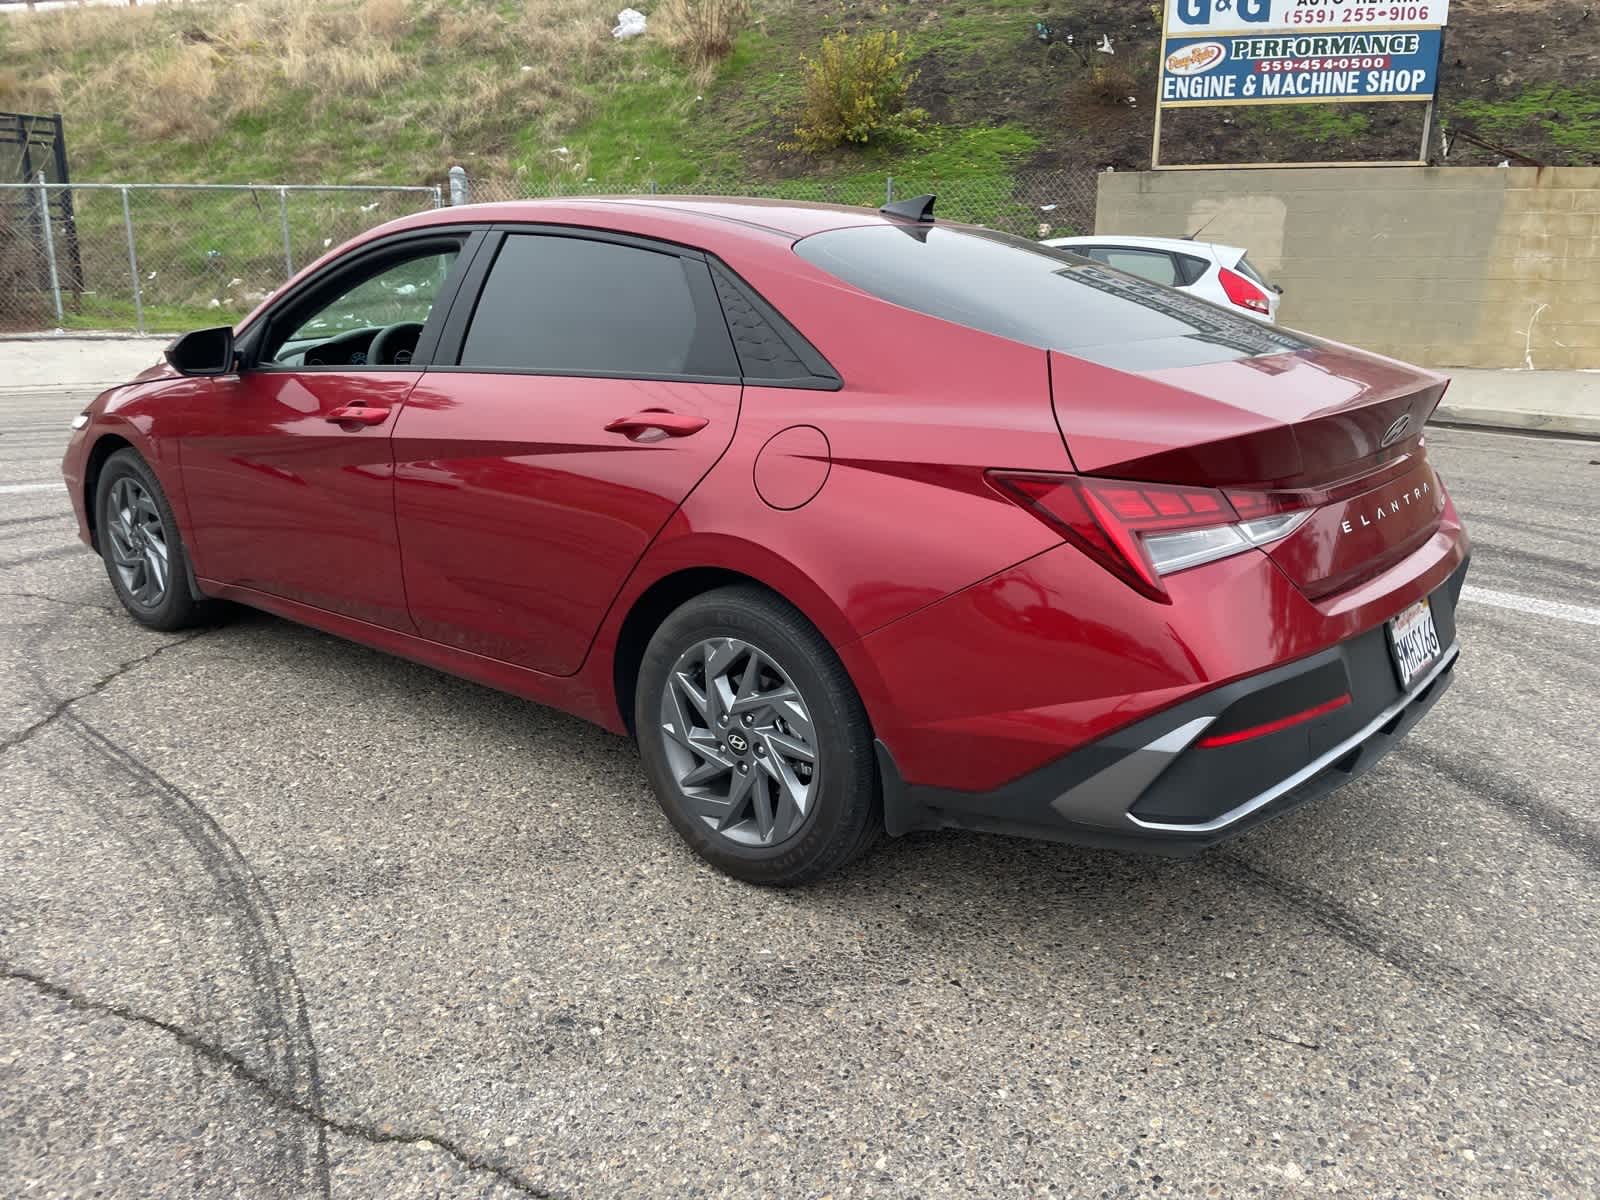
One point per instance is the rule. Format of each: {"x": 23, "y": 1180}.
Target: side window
{"x": 383, "y": 309}
{"x": 1191, "y": 268}
{"x": 1155, "y": 265}
{"x": 574, "y": 306}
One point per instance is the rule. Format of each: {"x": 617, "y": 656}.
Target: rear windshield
{"x": 1039, "y": 295}
{"x": 1248, "y": 269}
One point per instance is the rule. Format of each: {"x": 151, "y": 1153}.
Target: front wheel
{"x": 755, "y": 740}
{"x": 139, "y": 542}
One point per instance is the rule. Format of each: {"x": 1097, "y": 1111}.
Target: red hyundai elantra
{"x": 856, "y": 521}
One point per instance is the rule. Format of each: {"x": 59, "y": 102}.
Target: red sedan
{"x": 857, "y": 522}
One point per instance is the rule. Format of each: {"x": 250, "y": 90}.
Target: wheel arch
{"x": 104, "y": 447}
{"x": 681, "y": 575}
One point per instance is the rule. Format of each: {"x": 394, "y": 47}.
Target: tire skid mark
{"x": 42, "y": 555}
{"x": 377, "y": 1135}
{"x": 13, "y": 522}
{"x": 1574, "y": 835}
{"x": 1531, "y": 1020}
{"x": 1556, "y": 533}
{"x": 1529, "y": 563}
{"x": 276, "y": 995}
{"x": 276, "y": 1000}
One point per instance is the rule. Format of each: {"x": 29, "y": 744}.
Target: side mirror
{"x": 203, "y": 352}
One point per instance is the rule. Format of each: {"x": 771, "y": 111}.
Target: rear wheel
{"x": 139, "y": 542}
{"x": 754, "y": 739}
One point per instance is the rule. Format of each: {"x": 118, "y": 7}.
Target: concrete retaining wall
{"x": 1447, "y": 267}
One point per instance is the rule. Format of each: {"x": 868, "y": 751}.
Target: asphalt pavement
{"x": 285, "y": 917}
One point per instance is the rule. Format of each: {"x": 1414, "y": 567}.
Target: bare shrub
{"x": 1106, "y": 85}
{"x": 701, "y": 32}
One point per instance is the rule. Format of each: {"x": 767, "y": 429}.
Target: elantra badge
{"x": 1396, "y": 431}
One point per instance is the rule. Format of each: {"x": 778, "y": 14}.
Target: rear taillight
{"x": 1142, "y": 531}
{"x": 1244, "y": 293}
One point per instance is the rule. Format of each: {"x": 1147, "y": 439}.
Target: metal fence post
{"x": 888, "y": 189}
{"x": 50, "y": 249}
{"x": 133, "y": 262}
{"x": 460, "y": 193}
{"x": 438, "y": 197}
{"x": 283, "y": 218}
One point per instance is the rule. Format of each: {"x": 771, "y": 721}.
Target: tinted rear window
{"x": 1039, "y": 295}
{"x": 572, "y": 306}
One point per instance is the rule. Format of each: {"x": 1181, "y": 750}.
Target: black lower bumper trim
{"x": 1148, "y": 787}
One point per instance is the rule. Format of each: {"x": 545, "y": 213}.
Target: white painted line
{"x": 1580, "y": 613}
{"x": 11, "y": 489}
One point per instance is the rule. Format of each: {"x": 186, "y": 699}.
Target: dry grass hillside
{"x": 396, "y": 90}
{"x": 358, "y": 89}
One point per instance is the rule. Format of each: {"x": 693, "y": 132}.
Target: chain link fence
{"x": 1055, "y": 203}
{"x": 164, "y": 258}
{"x": 161, "y": 258}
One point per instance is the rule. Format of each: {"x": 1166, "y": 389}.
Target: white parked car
{"x": 1220, "y": 274}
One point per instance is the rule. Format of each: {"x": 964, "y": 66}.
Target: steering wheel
{"x": 388, "y": 346}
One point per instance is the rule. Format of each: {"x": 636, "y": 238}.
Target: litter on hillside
{"x": 630, "y": 23}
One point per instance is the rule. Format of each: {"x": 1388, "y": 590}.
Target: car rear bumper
{"x": 1156, "y": 786}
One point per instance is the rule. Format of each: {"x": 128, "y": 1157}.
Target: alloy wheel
{"x": 138, "y": 542}
{"x": 740, "y": 742}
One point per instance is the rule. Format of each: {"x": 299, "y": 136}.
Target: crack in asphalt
{"x": 376, "y": 1135}
{"x": 99, "y": 685}
{"x": 48, "y": 599}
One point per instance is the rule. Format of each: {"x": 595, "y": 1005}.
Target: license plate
{"x": 1415, "y": 642}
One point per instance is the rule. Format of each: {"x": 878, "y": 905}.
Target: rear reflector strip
{"x": 1255, "y": 731}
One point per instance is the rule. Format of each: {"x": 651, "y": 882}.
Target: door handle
{"x": 357, "y": 413}
{"x": 670, "y": 423}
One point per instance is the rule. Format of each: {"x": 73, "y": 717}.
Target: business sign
{"x": 1276, "y": 67}
{"x": 1229, "y": 16}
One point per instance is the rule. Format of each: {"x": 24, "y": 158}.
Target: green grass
{"x": 1568, "y": 117}
{"x": 1321, "y": 123}
{"x": 98, "y": 311}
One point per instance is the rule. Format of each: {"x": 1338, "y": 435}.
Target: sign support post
{"x": 1155, "y": 142}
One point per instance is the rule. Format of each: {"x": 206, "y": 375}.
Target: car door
{"x": 287, "y": 466}
{"x": 593, "y": 386}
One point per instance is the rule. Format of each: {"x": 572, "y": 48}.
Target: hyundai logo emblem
{"x": 737, "y": 743}
{"x": 1396, "y": 431}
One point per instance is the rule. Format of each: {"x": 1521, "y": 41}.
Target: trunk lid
{"x": 1323, "y": 427}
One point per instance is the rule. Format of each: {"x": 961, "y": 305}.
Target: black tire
{"x": 844, "y": 815}
{"x": 175, "y": 607}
